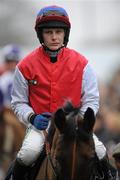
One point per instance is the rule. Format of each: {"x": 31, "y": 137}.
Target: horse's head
{"x": 73, "y": 145}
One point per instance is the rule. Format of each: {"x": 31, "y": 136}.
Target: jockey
{"x": 11, "y": 55}
{"x": 45, "y": 79}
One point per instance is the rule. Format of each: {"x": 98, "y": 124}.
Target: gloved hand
{"x": 41, "y": 121}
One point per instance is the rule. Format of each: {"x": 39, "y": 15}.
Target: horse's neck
{"x": 45, "y": 171}
{"x": 53, "y": 146}
{"x": 42, "y": 170}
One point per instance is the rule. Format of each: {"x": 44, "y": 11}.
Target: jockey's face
{"x": 53, "y": 37}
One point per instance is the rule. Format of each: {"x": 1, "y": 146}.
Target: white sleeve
{"x": 20, "y": 101}
{"x": 90, "y": 92}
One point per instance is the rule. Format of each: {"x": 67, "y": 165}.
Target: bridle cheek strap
{"x": 48, "y": 152}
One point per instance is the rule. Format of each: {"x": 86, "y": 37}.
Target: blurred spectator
{"x": 10, "y": 127}
{"x": 2, "y": 69}
{"x": 113, "y": 96}
{"x": 107, "y": 126}
{"x": 103, "y": 89}
{"x": 100, "y": 128}
{"x": 116, "y": 156}
{"x": 11, "y": 55}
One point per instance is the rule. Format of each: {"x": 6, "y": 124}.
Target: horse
{"x": 12, "y": 133}
{"x": 70, "y": 148}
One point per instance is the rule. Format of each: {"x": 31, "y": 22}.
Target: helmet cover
{"x": 52, "y": 17}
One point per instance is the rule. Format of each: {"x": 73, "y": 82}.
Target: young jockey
{"x": 45, "y": 79}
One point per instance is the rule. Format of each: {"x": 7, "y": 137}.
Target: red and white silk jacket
{"x": 42, "y": 86}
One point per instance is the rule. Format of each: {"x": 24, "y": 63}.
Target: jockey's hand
{"x": 41, "y": 121}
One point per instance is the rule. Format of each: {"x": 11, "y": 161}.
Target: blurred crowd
{"x": 107, "y": 126}
{"x": 11, "y": 130}
{"x": 108, "y": 119}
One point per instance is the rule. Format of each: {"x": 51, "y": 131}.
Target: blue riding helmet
{"x": 52, "y": 17}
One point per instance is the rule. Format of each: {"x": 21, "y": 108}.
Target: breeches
{"x": 33, "y": 144}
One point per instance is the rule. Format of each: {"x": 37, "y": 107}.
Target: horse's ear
{"x": 60, "y": 120}
{"x": 89, "y": 120}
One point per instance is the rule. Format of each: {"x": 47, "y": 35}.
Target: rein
{"x": 74, "y": 150}
{"x": 73, "y": 163}
{"x": 48, "y": 153}
{"x": 55, "y": 171}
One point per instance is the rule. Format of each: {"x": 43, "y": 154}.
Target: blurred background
{"x": 95, "y": 28}
{"x": 95, "y": 33}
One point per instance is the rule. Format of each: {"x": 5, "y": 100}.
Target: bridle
{"x": 50, "y": 159}
{"x": 54, "y": 164}
{"x": 55, "y": 169}
{"x": 74, "y": 150}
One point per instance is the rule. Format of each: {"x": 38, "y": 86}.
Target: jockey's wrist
{"x": 31, "y": 118}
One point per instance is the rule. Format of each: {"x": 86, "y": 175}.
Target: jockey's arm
{"x": 90, "y": 92}
{"x": 20, "y": 102}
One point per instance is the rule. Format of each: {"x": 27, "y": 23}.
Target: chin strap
{"x": 52, "y": 53}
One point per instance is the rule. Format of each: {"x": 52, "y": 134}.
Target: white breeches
{"x": 32, "y": 146}
{"x": 34, "y": 142}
